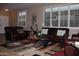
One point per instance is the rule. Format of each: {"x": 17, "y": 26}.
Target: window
{"x": 74, "y": 18}
{"x": 64, "y": 16}
{"x": 55, "y": 16}
{"x": 47, "y": 17}
{"x": 22, "y": 18}
{"x": 64, "y": 19}
{"x": 55, "y": 19}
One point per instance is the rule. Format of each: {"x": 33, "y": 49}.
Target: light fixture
{"x": 6, "y": 9}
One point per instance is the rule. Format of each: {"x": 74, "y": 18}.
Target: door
{"x": 4, "y": 21}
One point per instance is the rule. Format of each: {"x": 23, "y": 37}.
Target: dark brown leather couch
{"x": 52, "y": 34}
{"x": 52, "y": 37}
{"x": 15, "y": 33}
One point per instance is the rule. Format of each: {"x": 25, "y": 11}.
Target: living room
{"x": 45, "y": 29}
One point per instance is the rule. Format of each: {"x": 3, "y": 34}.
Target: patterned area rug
{"x": 19, "y": 48}
{"x": 30, "y": 50}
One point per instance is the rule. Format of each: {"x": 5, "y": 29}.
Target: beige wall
{"x": 38, "y": 11}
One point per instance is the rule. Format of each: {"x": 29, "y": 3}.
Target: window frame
{"x": 69, "y": 10}
{"x": 21, "y": 11}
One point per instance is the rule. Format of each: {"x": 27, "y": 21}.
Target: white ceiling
{"x": 26, "y": 5}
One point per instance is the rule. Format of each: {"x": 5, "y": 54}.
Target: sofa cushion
{"x": 61, "y": 32}
{"x": 20, "y": 31}
{"x": 44, "y": 31}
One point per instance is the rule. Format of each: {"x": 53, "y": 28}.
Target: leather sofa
{"x": 52, "y": 37}
{"x": 15, "y": 33}
{"x": 52, "y": 34}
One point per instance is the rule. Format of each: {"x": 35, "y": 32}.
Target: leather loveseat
{"x": 15, "y": 33}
